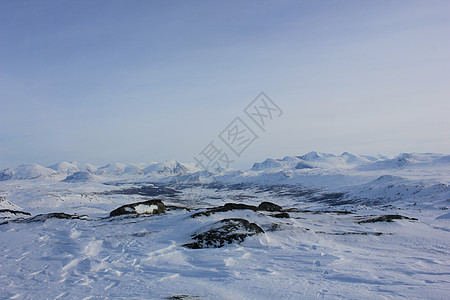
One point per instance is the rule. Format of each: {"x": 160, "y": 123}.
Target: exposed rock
{"x": 183, "y": 297}
{"x": 15, "y": 212}
{"x": 338, "y": 212}
{"x": 176, "y": 207}
{"x": 231, "y": 206}
{"x": 275, "y": 227}
{"x": 226, "y": 207}
{"x": 281, "y": 215}
{"x": 264, "y": 206}
{"x": 146, "y": 207}
{"x": 269, "y": 206}
{"x": 45, "y": 217}
{"x": 12, "y": 215}
{"x": 353, "y": 233}
{"x": 293, "y": 209}
{"x": 224, "y": 232}
{"x": 386, "y": 218}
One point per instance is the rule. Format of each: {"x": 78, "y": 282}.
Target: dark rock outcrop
{"x": 353, "y": 233}
{"x": 151, "y": 207}
{"x": 183, "y": 297}
{"x": 221, "y": 233}
{"x": 226, "y": 207}
{"x": 45, "y": 217}
{"x": 176, "y": 207}
{"x": 269, "y": 206}
{"x": 232, "y": 206}
{"x": 281, "y": 215}
{"x": 264, "y": 206}
{"x": 14, "y": 212}
{"x": 387, "y": 218}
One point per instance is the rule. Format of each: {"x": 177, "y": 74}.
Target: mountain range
{"x": 310, "y": 163}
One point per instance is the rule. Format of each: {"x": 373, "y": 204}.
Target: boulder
{"x": 221, "y": 233}
{"x": 150, "y": 207}
{"x": 226, "y": 207}
{"x": 269, "y": 206}
{"x": 264, "y": 206}
{"x": 232, "y": 206}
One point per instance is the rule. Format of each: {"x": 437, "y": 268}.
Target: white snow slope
{"x": 329, "y": 246}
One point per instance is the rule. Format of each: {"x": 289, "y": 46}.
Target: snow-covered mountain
{"x": 291, "y": 167}
{"x": 171, "y": 167}
{"x": 111, "y": 170}
{"x": 80, "y": 176}
{"x": 62, "y": 170}
{"x": 69, "y": 168}
{"x": 28, "y": 171}
{"x": 317, "y": 160}
{"x": 405, "y": 160}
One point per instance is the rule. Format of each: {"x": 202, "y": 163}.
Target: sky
{"x": 138, "y": 81}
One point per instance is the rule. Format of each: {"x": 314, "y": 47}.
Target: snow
{"x": 444, "y": 217}
{"x": 80, "y": 177}
{"x": 113, "y": 169}
{"x": 319, "y": 252}
{"x": 66, "y": 167}
{"x": 32, "y": 171}
{"x": 145, "y": 209}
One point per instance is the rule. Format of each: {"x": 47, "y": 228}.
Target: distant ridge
{"x": 310, "y": 162}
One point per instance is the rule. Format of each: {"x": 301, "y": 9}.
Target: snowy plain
{"x": 354, "y": 227}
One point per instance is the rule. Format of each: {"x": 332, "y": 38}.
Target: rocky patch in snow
{"x": 353, "y": 233}
{"x": 386, "y": 218}
{"x": 264, "y": 206}
{"x": 10, "y": 214}
{"x": 269, "y": 206}
{"x": 151, "y": 207}
{"x": 15, "y": 212}
{"x": 183, "y": 297}
{"x": 226, "y": 231}
{"x": 281, "y": 215}
{"x": 9, "y": 210}
{"x": 44, "y": 217}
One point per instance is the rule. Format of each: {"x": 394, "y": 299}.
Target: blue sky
{"x": 131, "y": 81}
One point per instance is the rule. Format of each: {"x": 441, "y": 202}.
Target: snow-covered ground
{"x": 332, "y": 238}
